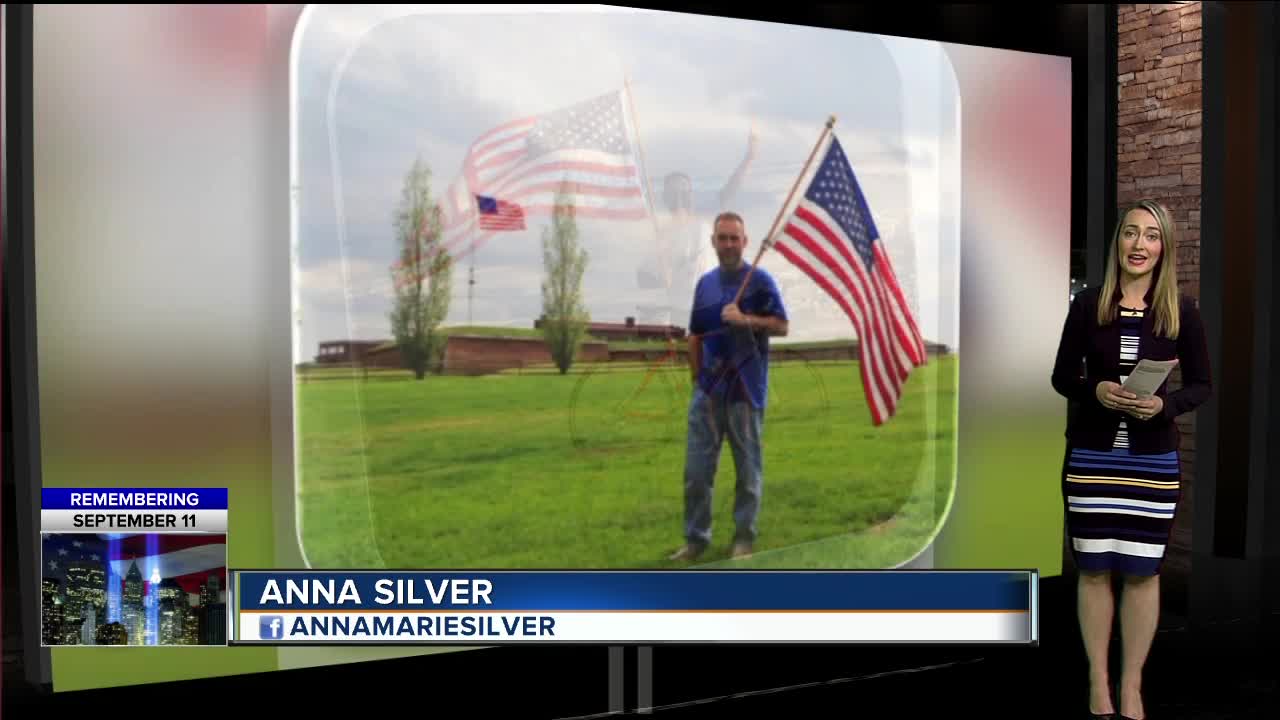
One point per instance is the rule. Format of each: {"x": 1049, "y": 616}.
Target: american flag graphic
{"x": 498, "y": 215}
{"x": 832, "y": 238}
{"x": 587, "y": 149}
{"x": 187, "y": 559}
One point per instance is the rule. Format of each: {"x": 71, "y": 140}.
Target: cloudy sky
{"x": 377, "y": 87}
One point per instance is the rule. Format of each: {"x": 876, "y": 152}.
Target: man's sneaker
{"x": 688, "y": 552}
{"x": 741, "y": 549}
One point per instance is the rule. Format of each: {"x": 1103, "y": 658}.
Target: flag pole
{"x": 768, "y": 240}
{"x": 644, "y": 174}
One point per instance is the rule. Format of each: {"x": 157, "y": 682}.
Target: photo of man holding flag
{"x": 584, "y": 335}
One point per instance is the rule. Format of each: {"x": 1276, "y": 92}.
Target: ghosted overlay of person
{"x": 682, "y": 255}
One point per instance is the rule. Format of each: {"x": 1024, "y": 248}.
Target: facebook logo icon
{"x": 270, "y": 627}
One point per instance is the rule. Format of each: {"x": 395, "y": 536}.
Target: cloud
{"x": 428, "y": 84}
{"x": 338, "y": 278}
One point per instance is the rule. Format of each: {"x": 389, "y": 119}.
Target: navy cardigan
{"x": 1092, "y": 426}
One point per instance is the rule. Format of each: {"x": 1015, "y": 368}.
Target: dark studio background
{"x": 1214, "y": 655}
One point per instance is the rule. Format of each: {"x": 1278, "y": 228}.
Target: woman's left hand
{"x": 1147, "y": 409}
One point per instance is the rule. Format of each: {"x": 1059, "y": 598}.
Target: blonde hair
{"x": 1164, "y": 297}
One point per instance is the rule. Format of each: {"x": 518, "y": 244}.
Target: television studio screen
{"x": 590, "y": 291}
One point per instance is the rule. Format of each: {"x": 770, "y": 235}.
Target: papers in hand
{"x": 1148, "y": 376}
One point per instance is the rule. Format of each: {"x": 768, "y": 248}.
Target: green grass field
{"x": 660, "y": 345}
{"x": 585, "y": 470}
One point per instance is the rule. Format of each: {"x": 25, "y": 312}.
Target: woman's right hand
{"x": 1113, "y": 397}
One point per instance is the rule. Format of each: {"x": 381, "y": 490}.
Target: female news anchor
{"x": 1121, "y": 475}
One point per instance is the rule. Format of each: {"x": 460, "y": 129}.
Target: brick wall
{"x": 1158, "y": 141}
{"x": 479, "y": 355}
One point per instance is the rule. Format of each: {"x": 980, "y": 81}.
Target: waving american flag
{"x": 499, "y": 214}
{"x": 832, "y": 238}
{"x": 588, "y": 149}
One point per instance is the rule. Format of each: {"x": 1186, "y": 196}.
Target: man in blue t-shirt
{"x": 729, "y": 359}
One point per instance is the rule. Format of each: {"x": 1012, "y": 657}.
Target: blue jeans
{"x": 710, "y": 421}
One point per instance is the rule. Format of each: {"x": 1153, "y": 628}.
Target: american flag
{"x": 832, "y": 238}
{"x": 499, "y": 215}
{"x": 588, "y": 149}
{"x": 187, "y": 559}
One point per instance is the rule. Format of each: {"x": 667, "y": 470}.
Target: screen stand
{"x": 617, "y": 678}
{"x": 644, "y": 680}
{"x": 625, "y": 696}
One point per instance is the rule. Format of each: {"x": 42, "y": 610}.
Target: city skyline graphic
{"x": 147, "y": 589}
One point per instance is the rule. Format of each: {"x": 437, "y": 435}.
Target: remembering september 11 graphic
{"x": 162, "y": 587}
{"x": 146, "y": 589}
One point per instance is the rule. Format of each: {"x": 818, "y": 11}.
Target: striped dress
{"x": 1120, "y": 506}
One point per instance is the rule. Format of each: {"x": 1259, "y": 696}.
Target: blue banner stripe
{"x": 133, "y": 498}
{"x": 1128, "y": 462}
{"x": 638, "y": 591}
{"x": 1136, "y": 460}
{"x": 1113, "y": 455}
{"x": 1113, "y": 466}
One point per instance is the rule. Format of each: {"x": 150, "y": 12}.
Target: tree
{"x": 564, "y": 315}
{"x": 423, "y": 275}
